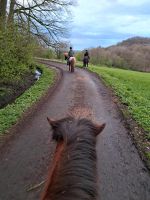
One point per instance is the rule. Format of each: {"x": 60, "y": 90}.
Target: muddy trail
{"x": 25, "y": 158}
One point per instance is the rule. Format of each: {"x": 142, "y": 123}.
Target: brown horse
{"x": 72, "y": 62}
{"x": 72, "y": 175}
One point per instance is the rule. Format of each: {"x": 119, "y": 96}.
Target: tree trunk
{"x": 11, "y": 12}
{"x": 3, "y": 5}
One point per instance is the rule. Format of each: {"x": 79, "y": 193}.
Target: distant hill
{"x": 135, "y": 41}
{"x": 133, "y": 53}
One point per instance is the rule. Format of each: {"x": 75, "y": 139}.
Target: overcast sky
{"x": 107, "y": 22}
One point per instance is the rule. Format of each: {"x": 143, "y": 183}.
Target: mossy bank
{"x": 13, "y": 112}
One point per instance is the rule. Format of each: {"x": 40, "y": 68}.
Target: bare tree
{"x": 61, "y": 48}
{"x": 47, "y": 19}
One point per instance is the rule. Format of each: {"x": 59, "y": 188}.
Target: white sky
{"x": 106, "y": 22}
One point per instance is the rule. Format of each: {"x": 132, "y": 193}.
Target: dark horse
{"x": 85, "y": 61}
{"x": 73, "y": 172}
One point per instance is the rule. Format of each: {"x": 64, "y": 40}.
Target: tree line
{"x": 133, "y": 54}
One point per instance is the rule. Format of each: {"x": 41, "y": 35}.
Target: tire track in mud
{"x": 80, "y": 108}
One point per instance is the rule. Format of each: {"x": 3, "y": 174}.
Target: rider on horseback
{"x": 70, "y": 54}
{"x": 86, "y": 58}
{"x": 86, "y": 53}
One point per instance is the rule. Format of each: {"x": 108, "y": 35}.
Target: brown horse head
{"x": 72, "y": 175}
{"x": 63, "y": 128}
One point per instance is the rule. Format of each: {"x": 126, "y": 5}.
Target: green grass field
{"x": 133, "y": 88}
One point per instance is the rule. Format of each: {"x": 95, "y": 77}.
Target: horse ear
{"x": 51, "y": 122}
{"x": 99, "y": 128}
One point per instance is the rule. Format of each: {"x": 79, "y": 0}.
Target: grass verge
{"x": 133, "y": 89}
{"x": 11, "y": 113}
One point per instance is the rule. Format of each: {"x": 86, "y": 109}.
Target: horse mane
{"x": 75, "y": 173}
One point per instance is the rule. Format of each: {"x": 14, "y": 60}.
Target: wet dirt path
{"x": 25, "y": 160}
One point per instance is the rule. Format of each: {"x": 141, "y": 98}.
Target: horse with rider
{"x": 70, "y": 59}
{"x": 86, "y": 59}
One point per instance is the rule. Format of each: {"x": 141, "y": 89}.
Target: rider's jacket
{"x": 71, "y": 53}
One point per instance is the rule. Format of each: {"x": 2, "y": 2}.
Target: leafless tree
{"x": 47, "y": 19}
{"x": 61, "y": 48}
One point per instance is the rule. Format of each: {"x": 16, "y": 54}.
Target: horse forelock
{"x": 69, "y": 129}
